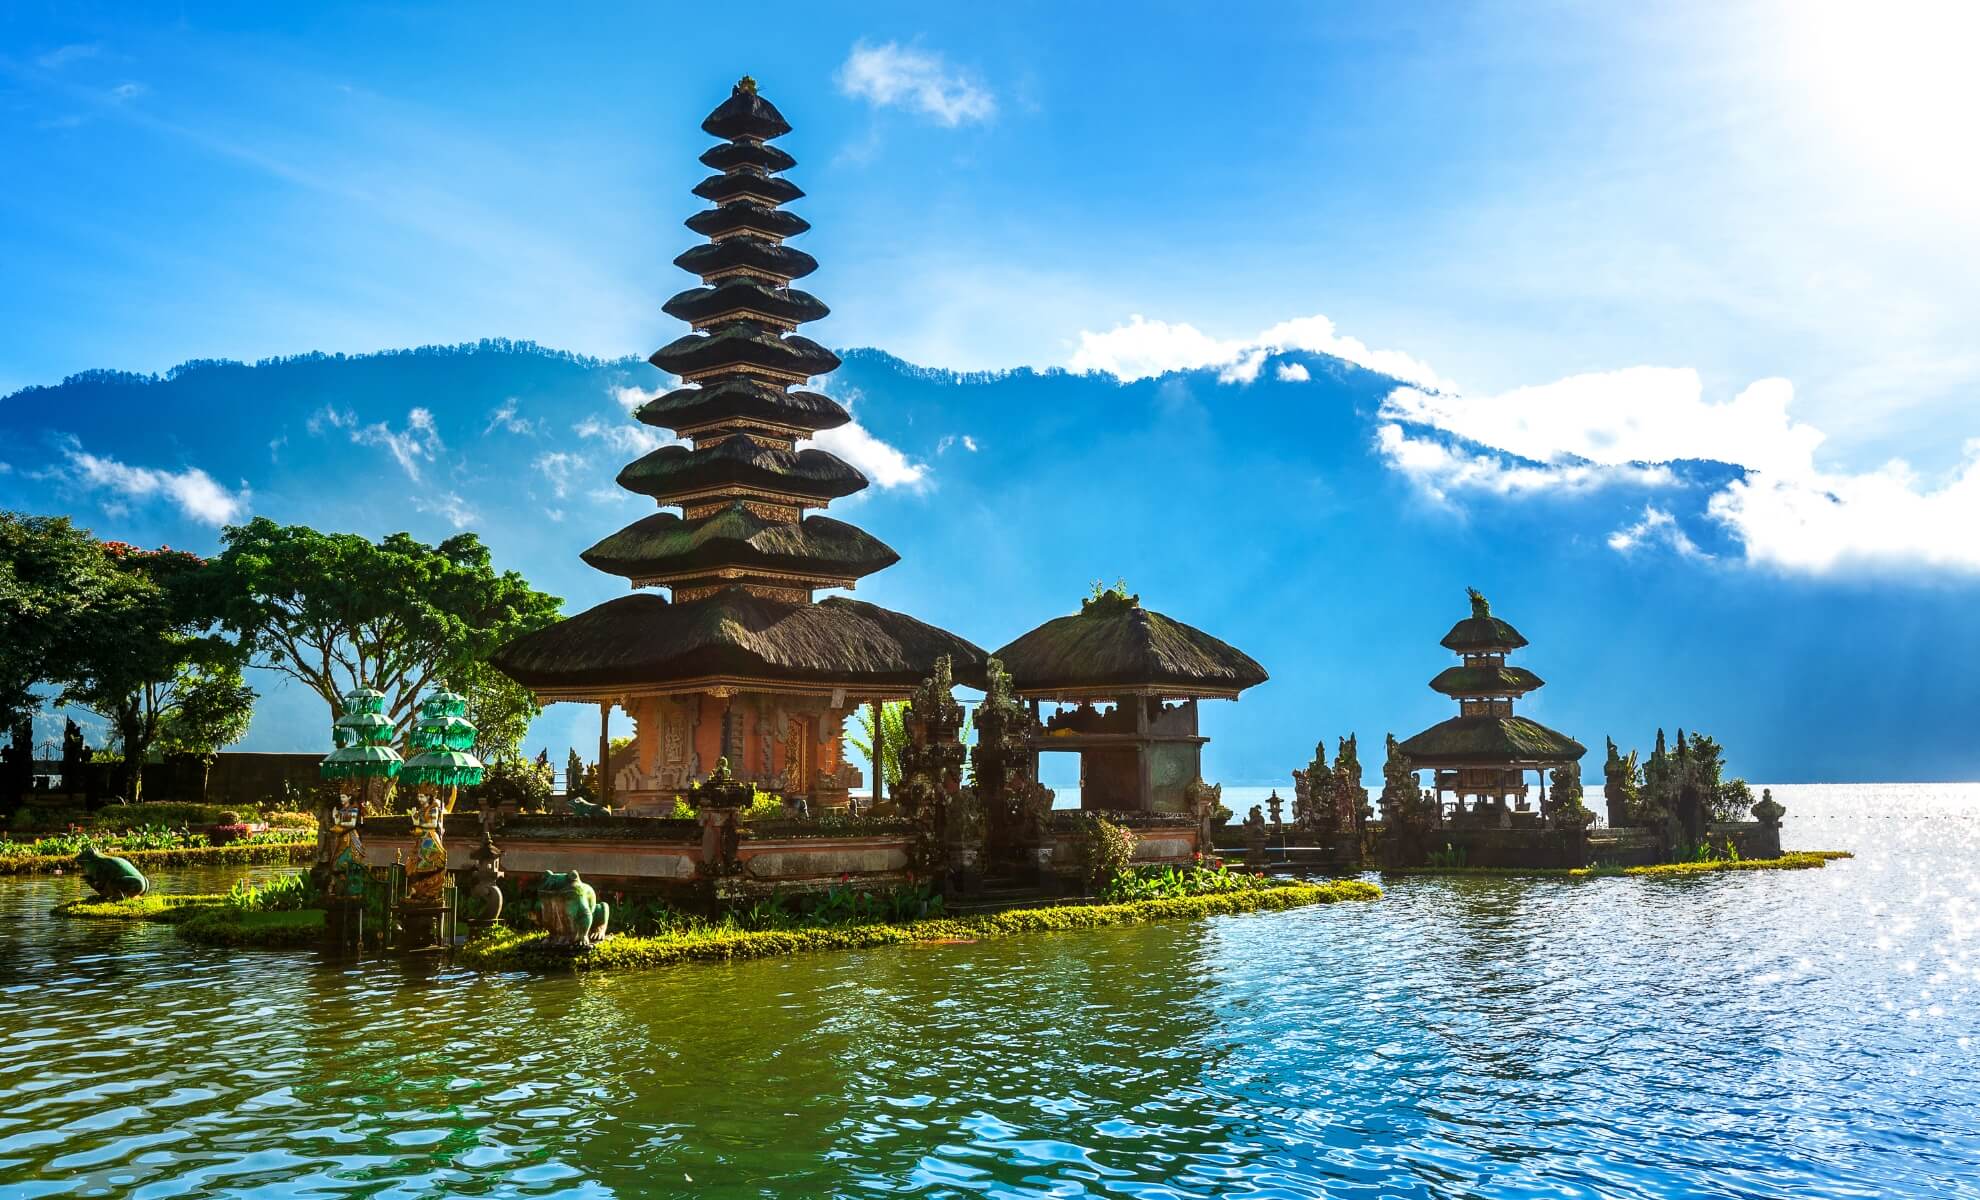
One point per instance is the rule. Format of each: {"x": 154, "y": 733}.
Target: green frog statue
{"x": 111, "y": 877}
{"x": 570, "y": 910}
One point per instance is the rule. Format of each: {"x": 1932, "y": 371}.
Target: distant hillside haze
{"x": 1265, "y": 512}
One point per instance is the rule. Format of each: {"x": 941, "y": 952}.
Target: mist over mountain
{"x": 1269, "y": 510}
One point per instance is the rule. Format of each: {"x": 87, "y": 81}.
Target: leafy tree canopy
{"x": 151, "y": 663}
{"x": 337, "y": 611}
{"x": 53, "y": 577}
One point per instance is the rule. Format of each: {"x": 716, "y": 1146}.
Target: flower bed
{"x": 505, "y": 949}
{"x": 1800, "y": 860}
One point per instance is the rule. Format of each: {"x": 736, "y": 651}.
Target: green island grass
{"x": 504, "y": 949}
{"x": 1799, "y": 860}
{"x": 224, "y": 925}
{"x": 152, "y": 906}
{"x": 191, "y": 856}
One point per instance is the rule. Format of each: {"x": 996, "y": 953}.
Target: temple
{"x": 1485, "y": 751}
{"x": 744, "y": 662}
{"x": 1141, "y": 752}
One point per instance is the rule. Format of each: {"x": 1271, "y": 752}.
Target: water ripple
{"x": 1755, "y": 1035}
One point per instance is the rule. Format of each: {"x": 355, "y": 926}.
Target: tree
{"x": 500, "y": 708}
{"x": 336, "y": 611}
{"x": 893, "y": 737}
{"x": 52, "y": 579}
{"x": 152, "y": 664}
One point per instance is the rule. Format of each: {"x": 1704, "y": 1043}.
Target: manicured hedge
{"x": 1800, "y": 860}
{"x": 504, "y": 949}
{"x": 150, "y": 860}
{"x": 228, "y": 926}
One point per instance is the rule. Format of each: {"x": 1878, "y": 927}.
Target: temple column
{"x": 605, "y": 752}
{"x": 879, "y": 788}
{"x": 1144, "y": 762}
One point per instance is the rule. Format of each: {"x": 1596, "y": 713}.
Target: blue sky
{"x": 1596, "y": 240}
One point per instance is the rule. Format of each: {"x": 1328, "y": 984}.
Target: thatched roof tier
{"x": 736, "y": 156}
{"x": 1487, "y": 681}
{"x": 744, "y": 297}
{"x": 1481, "y": 632}
{"x": 757, "y": 218}
{"x": 740, "y": 462}
{"x": 745, "y": 254}
{"x": 742, "y": 399}
{"x": 745, "y": 344}
{"x": 642, "y": 644}
{"x": 1115, "y": 646}
{"x": 1488, "y": 742}
{"x": 666, "y": 547}
{"x": 745, "y": 116}
{"x": 740, "y": 185}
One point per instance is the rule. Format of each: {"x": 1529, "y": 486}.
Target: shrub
{"x": 1106, "y": 852}
{"x": 515, "y": 784}
{"x": 287, "y": 893}
{"x": 1164, "y": 883}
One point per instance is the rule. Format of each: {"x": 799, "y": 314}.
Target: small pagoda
{"x": 1484, "y": 753}
{"x": 1126, "y": 681}
{"x": 744, "y": 662}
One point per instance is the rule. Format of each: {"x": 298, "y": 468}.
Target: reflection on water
{"x": 1744, "y": 1035}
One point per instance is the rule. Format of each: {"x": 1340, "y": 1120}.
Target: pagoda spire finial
{"x": 747, "y": 84}
{"x": 1480, "y": 606}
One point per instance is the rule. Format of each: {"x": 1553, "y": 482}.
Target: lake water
{"x": 1759, "y": 1034}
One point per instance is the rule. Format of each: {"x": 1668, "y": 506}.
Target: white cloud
{"x": 505, "y": 417}
{"x": 950, "y": 440}
{"x": 1883, "y": 518}
{"x": 331, "y": 417}
{"x": 62, "y": 56}
{"x": 969, "y": 443}
{"x": 561, "y": 468}
{"x": 1441, "y": 469}
{"x": 1658, "y": 527}
{"x": 127, "y": 91}
{"x": 1142, "y": 349}
{"x": 1293, "y": 372}
{"x": 623, "y": 436}
{"x": 1787, "y": 511}
{"x": 419, "y": 442}
{"x": 630, "y": 398}
{"x": 195, "y": 493}
{"x": 878, "y": 461}
{"x": 449, "y": 505}
{"x": 889, "y": 75}
{"x": 1639, "y": 414}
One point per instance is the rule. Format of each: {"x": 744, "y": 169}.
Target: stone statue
{"x": 570, "y": 910}
{"x": 1350, "y": 798}
{"x": 485, "y": 881}
{"x": 1277, "y": 807}
{"x": 426, "y": 874}
{"x": 931, "y": 767}
{"x": 1769, "y": 811}
{"x": 1256, "y": 836}
{"x": 1619, "y": 786}
{"x": 348, "y": 873}
{"x": 111, "y": 877}
{"x": 1563, "y": 806}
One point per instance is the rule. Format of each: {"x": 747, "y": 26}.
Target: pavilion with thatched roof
{"x": 1485, "y": 751}
{"x": 1126, "y": 681}
{"x": 743, "y": 662}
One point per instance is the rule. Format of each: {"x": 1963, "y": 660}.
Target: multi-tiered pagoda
{"x": 744, "y": 662}
{"x": 1485, "y": 751}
